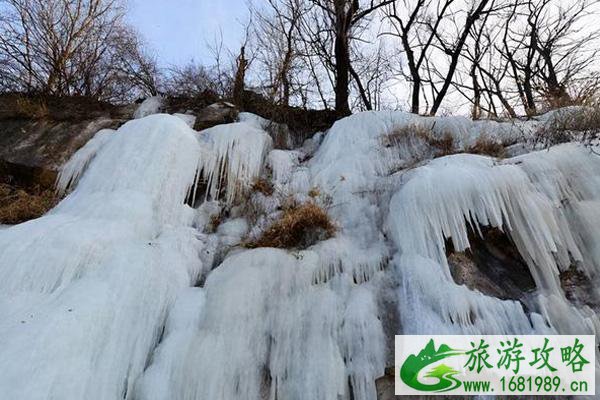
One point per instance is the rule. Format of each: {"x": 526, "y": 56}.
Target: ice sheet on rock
{"x": 282, "y": 164}
{"x": 143, "y": 158}
{"x": 568, "y": 176}
{"x": 343, "y": 255}
{"x": 431, "y": 303}
{"x": 233, "y": 231}
{"x": 445, "y": 198}
{"x": 354, "y": 150}
{"x": 255, "y": 120}
{"x": 284, "y": 337}
{"x": 558, "y": 172}
{"x": 583, "y": 219}
{"x": 151, "y": 105}
{"x": 280, "y": 133}
{"x": 300, "y": 181}
{"x": 189, "y": 119}
{"x": 100, "y": 276}
{"x": 540, "y": 200}
{"x": 560, "y": 114}
{"x": 85, "y": 290}
{"x": 348, "y": 170}
{"x": 566, "y": 318}
{"x": 234, "y": 154}
{"x": 70, "y": 172}
{"x": 180, "y": 329}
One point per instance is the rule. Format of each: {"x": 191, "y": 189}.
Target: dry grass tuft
{"x": 213, "y": 224}
{"x": 314, "y": 192}
{"x": 486, "y": 146}
{"x": 17, "y": 205}
{"x": 442, "y": 146}
{"x": 298, "y": 227}
{"x": 31, "y": 108}
{"x": 263, "y": 186}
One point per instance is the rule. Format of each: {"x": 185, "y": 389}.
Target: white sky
{"x": 178, "y": 30}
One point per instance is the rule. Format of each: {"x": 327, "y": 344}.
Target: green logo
{"x": 412, "y": 367}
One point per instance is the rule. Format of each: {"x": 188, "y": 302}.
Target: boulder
{"x": 216, "y": 114}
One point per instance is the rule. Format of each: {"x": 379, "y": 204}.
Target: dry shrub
{"x": 486, "y": 146}
{"x": 213, "y": 224}
{"x": 443, "y": 145}
{"x": 298, "y": 227}
{"x": 263, "y": 186}
{"x": 31, "y": 108}
{"x": 567, "y": 125}
{"x": 18, "y": 205}
{"x": 314, "y": 192}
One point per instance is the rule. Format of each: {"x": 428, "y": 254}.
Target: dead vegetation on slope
{"x": 442, "y": 145}
{"x": 18, "y": 205}
{"x": 487, "y": 146}
{"x": 263, "y": 186}
{"x": 568, "y": 125}
{"x": 299, "y": 226}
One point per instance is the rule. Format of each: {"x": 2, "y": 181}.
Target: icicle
{"x": 535, "y": 198}
{"x": 265, "y": 322}
{"x": 442, "y": 196}
{"x": 70, "y": 172}
{"x": 342, "y": 255}
{"x": 282, "y": 164}
{"x": 235, "y": 154}
{"x": 432, "y": 303}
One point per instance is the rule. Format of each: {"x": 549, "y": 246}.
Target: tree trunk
{"x": 476, "y": 112}
{"x": 416, "y": 93}
{"x": 240, "y": 77}
{"x": 342, "y": 70}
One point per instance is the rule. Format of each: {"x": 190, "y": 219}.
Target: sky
{"x": 178, "y": 31}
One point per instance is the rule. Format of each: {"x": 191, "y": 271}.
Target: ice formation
{"x": 284, "y": 327}
{"x": 235, "y": 156}
{"x": 126, "y": 291}
{"x": 151, "y": 105}
{"x": 85, "y": 289}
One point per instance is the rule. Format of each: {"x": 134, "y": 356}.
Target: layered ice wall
{"x": 85, "y": 289}
{"x": 540, "y": 200}
{"x": 268, "y": 332}
{"x": 122, "y": 291}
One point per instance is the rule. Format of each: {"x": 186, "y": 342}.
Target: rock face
{"x": 216, "y": 114}
{"x": 492, "y": 266}
{"x": 31, "y": 152}
{"x": 38, "y": 136}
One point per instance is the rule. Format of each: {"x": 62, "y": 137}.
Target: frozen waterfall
{"x": 123, "y": 292}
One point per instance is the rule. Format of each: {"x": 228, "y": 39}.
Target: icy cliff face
{"x": 123, "y": 291}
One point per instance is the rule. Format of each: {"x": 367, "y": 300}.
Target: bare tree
{"x": 563, "y": 47}
{"x": 549, "y": 49}
{"x": 432, "y": 29}
{"x": 191, "y": 79}
{"x": 483, "y": 75}
{"x": 371, "y": 70}
{"x": 72, "y": 47}
{"x": 337, "y": 24}
{"x": 276, "y": 32}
